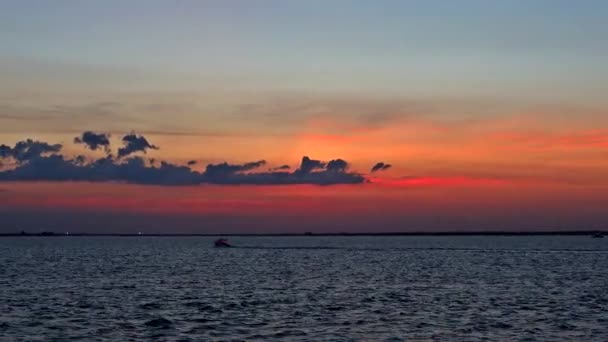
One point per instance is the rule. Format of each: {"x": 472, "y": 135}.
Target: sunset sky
{"x": 493, "y": 115}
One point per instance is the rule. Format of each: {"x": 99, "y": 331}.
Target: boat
{"x": 597, "y": 235}
{"x": 222, "y": 243}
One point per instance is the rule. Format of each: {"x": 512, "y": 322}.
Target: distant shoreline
{"x": 462, "y": 233}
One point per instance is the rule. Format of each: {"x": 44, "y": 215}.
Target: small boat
{"x": 222, "y": 243}
{"x": 597, "y": 235}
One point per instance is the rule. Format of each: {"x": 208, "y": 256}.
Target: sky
{"x": 293, "y": 116}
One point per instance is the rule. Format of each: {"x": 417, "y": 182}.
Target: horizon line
{"x": 308, "y": 234}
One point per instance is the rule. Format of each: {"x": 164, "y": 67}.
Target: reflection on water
{"x": 304, "y": 288}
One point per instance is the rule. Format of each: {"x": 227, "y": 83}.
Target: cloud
{"x": 253, "y": 165}
{"x": 79, "y": 160}
{"x": 40, "y": 161}
{"x": 94, "y": 141}
{"x": 380, "y": 167}
{"x": 134, "y": 143}
{"x": 223, "y": 170}
{"x": 337, "y": 165}
{"x": 415, "y": 181}
{"x": 191, "y": 162}
{"x": 311, "y": 171}
{"x": 132, "y": 170}
{"x": 308, "y": 165}
{"x": 5, "y": 151}
{"x": 28, "y": 149}
{"x": 21, "y": 118}
{"x": 284, "y": 178}
{"x": 282, "y": 167}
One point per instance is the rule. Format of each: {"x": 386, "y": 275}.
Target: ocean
{"x": 309, "y": 288}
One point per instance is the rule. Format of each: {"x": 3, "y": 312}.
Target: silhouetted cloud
{"x": 307, "y": 165}
{"x": 282, "y": 167}
{"x": 37, "y": 161}
{"x": 134, "y": 143}
{"x": 253, "y": 165}
{"x": 28, "y": 149}
{"x": 284, "y": 178}
{"x": 5, "y": 151}
{"x": 381, "y": 167}
{"x": 191, "y": 162}
{"x": 337, "y": 165}
{"x": 80, "y": 160}
{"x": 94, "y": 140}
{"x": 223, "y": 170}
{"x": 132, "y": 170}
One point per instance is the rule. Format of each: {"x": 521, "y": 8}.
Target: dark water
{"x": 304, "y": 288}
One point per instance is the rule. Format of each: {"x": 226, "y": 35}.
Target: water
{"x": 304, "y": 288}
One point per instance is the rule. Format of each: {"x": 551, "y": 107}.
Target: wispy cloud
{"x": 596, "y": 138}
{"x": 380, "y": 167}
{"x": 412, "y": 181}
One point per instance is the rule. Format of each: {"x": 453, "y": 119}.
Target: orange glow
{"x": 499, "y": 166}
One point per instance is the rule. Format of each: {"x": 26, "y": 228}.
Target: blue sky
{"x": 418, "y": 47}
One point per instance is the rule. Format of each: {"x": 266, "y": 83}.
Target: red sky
{"x": 427, "y": 204}
{"x": 512, "y": 172}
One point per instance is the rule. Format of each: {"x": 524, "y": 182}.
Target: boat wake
{"x": 405, "y": 249}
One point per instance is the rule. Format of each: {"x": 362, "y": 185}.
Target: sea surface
{"x": 442, "y": 288}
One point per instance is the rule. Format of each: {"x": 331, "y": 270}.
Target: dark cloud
{"x": 191, "y": 162}
{"x": 253, "y": 165}
{"x": 49, "y": 168}
{"x": 94, "y": 140}
{"x": 134, "y": 143}
{"x": 132, "y": 170}
{"x": 37, "y": 161}
{"x": 282, "y": 167}
{"x": 380, "y": 167}
{"x": 80, "y": 160}
{"x": 308, "y": 165}
{"x": 337, "y": 165}
{"x": 28, "y": 149}
{"x": 284, "y": 178}
{"x": 310, "y": 172}
{"x": 5, "y": 151}
{"x": 223, "y": 170}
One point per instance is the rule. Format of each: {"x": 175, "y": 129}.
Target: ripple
{"x": 159, "y": 322}
{"x": 151, "y": 306}
{"x": 446, "y": 289}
